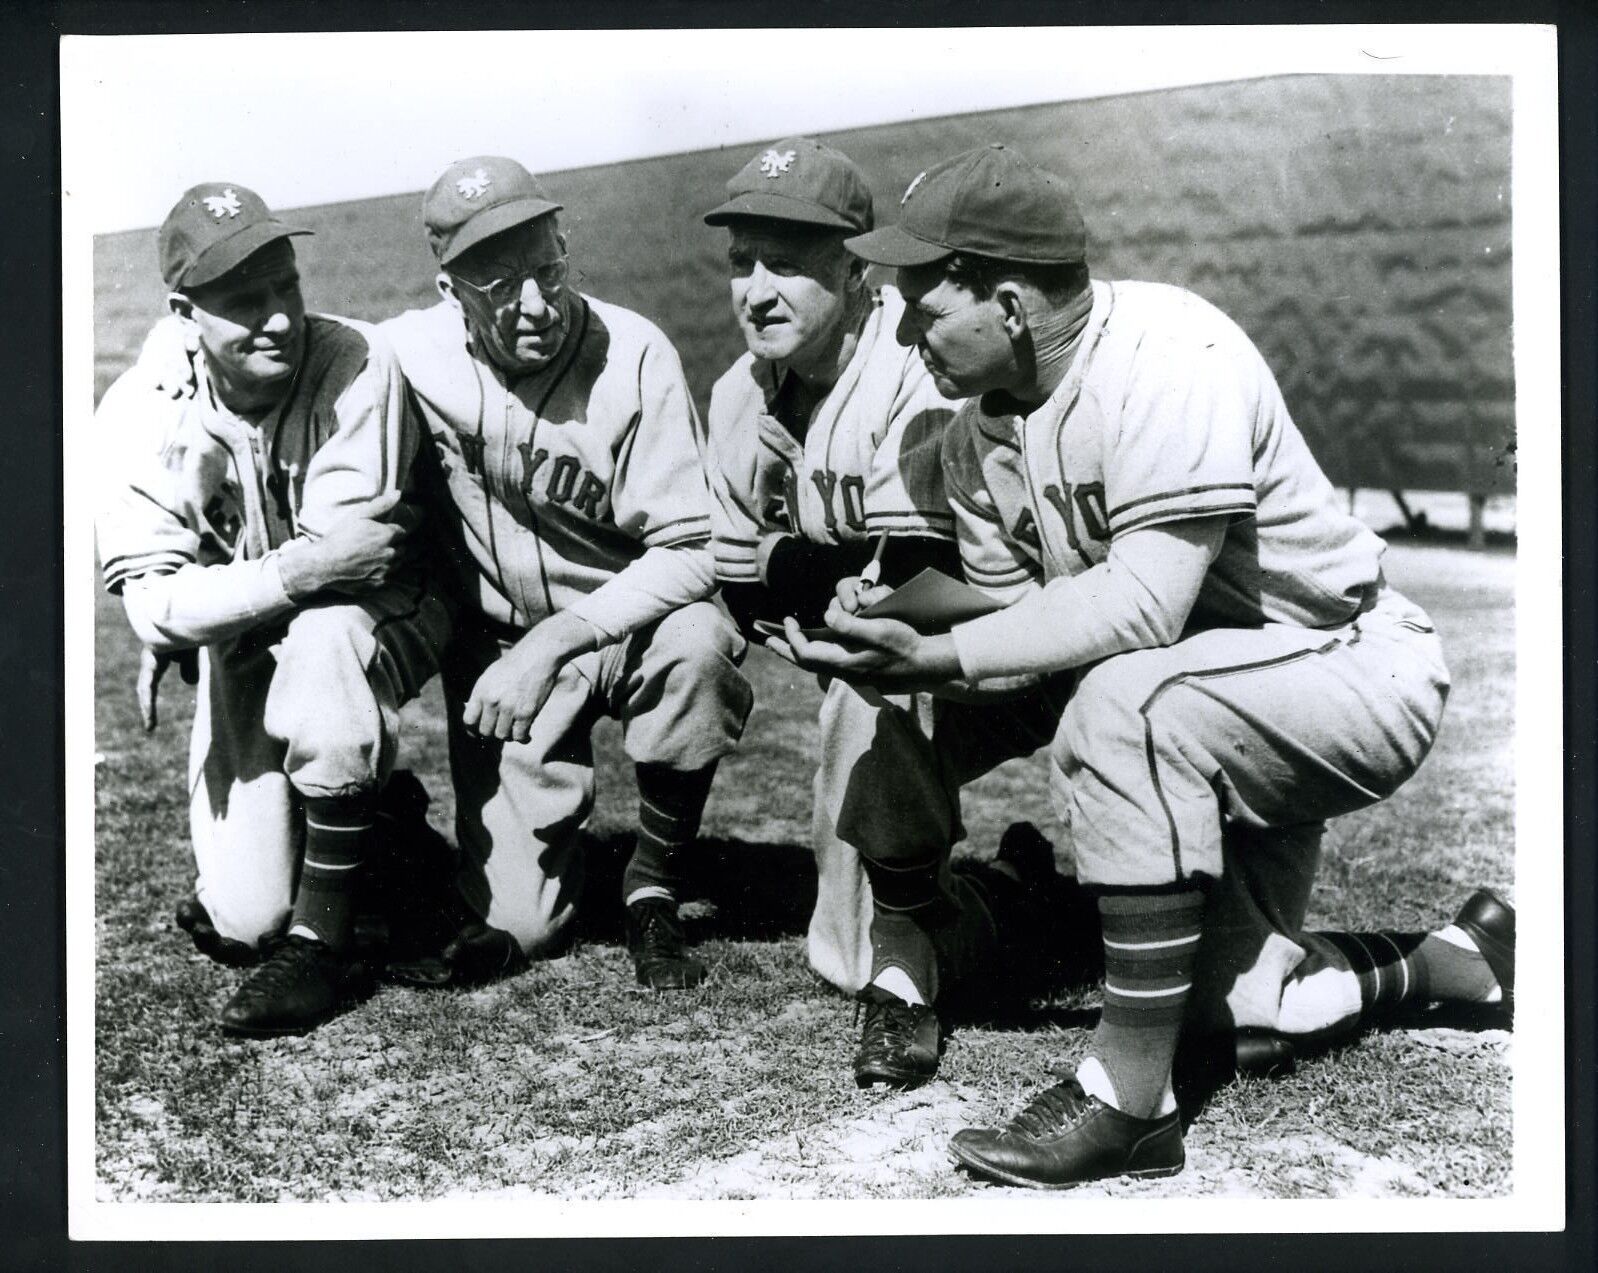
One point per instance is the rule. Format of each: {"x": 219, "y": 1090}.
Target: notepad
{"x": 930, "y": 603}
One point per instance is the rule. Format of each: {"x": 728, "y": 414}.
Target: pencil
{"x": 873, "y": 571}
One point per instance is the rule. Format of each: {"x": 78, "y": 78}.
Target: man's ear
{"x": 180, "y": 305}
{"x": 1012, "y": 302}
{"x": 446, "y": 289}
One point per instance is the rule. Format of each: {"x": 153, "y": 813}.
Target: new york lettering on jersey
{"x": 849, "y": 510}
{"x": 868, "y": 460}
{"x": 562, "y": 478}
{"x": 233, "y": 483}
{"x": 802, "y": 498}
{"x": 1072, "y": 526}
{"x": 539, "y": 474}
{"x": 843, "y": 500}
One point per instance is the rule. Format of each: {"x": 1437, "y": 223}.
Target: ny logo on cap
{"x": 911, "y": 189}
{"x": 474, "y": 185}
{"x": 774, "y": 165}
{"x": 222, "y": 205}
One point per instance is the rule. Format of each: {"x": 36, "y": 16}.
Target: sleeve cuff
{"x": 986, "y": 647}
{"x": 768, "y": 545}
{"x": 603, "y": 614}
{"x": 269, "y": 592}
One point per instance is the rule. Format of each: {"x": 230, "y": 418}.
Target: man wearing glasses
{"x": 571, "y": 451}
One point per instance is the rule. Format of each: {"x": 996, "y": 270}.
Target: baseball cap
{"x": 475, "y": 199}
{"x": 798, "y": 179}
{"x": 989, "y": 201}
{"x": 211, "y": 229}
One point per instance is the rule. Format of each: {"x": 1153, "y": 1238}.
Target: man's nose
{"x": 533, "y": 302}
{"x": 760, "y": 291}
{"x": 908, "y": 332}
{"x": 277, "y": 320}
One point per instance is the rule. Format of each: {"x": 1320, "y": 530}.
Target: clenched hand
{"x": 357, "y": 556}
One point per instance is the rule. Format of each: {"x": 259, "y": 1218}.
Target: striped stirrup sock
{"x": 1398, "y": 968}
{"x": 908, "y": 902}
{"x": 671, "y": 803}
{"x": 1150, "y": 943}
{"x": 335, "y": 841}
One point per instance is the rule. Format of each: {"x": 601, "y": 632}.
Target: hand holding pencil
{"x": 854, "y": 594}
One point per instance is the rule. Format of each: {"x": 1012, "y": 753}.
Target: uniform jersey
{"x": 1167, "y": 412}
{"x": 566, "y": 478}
{"x": 190, "y": 483}
{"x": 868, "y": 461}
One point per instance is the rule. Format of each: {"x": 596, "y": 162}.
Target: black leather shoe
{"x": 899, "y": 1042}
{"x": 659, "y": 948}
{"x": 195, "y": 920}
{"x": 1027, "y": 852}
{"x": 475, "y": 956}
{"x": 1490, "y": 922}
{"x": 1263, "y": 1053}
{"x": 301, "y": 984}
{"x": 1065, "y": 1137}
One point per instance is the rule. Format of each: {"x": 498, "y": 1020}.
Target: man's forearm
{"x": 202, "y": 605}
{"x": 1139, "y": 598}
{"x": 564, "y": 636}
{"x": 662, "y": 580}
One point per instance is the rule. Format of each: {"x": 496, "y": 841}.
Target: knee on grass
{"x": 246, "y": 920}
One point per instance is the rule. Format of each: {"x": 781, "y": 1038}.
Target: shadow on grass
{"x": 754, "y": 892}
{"x": 1204, "y": 1067}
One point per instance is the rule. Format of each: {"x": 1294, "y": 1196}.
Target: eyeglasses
{"x": 501, "y": 292}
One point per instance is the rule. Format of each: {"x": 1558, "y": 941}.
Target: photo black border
{"x": 32, "y": 850}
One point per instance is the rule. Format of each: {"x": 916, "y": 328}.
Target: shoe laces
{"x": 285, "y": 961}
{"x": 1052, "y": 1110}
{"x": 890, "y": 1021}
{"x": 660, "y": 933}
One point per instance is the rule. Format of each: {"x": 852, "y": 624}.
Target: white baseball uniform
{"x": 579, "y": 487}
{"x": 868, "y": 461}
{"x": 1303, "y": 687}
{"x": 196, "y": 507}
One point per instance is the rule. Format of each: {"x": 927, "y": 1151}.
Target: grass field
{"x": 567, "y": 1081}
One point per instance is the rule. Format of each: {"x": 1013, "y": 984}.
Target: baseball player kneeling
{"x": 259, "y": 519}
{"x": 572, "y": 455}
{"x": 1245, "y": 670}
{"x": 824, "y": 461}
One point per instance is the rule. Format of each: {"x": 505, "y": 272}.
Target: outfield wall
{"x": 1358, "y": 227}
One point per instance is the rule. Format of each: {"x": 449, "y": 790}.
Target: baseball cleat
{"x": 659, "y": 949}
{"x": 476, "y": 955}
{"x": 302, "y": 983}
{"x": 1064, "y": 1137}
{"x": 899, "y": 1043}
{"x": 1263, "y": 1053}
{"x": 192, "y": 917}
{"x": 1490, "y": 922}
{"x": 1028, "y": 852}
